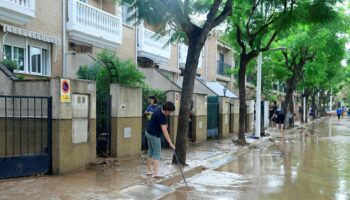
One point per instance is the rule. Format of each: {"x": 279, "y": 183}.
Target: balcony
{"x": 93, "y": 26}
{"x": 223, "y": 68}
{"x": 17, "y": 12}
{"x": 183, "y": 49}
{"x": 152, "y": 45}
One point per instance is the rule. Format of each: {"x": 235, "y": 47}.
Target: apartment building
{"x": 45, "y": 43}
{"x": 31, "y": 35}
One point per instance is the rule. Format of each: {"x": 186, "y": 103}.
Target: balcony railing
{"x": 94, "y": 26}
{"x": 223, "y": 68}
{"x": 152, "y": 45}
{"x": 17, "y": 11}
{"x": 183, "y": 49}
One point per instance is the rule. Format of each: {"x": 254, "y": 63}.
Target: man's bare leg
{"x": 155, "y": 167}
{"x": 149, "y": 164}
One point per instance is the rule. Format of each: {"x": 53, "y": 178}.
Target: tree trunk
{"x": 242, "y": 101}
{"x": 322, "y": 102}
{"x": 307, "y": 106}
{"x": 313, "y": 104}
{"x": 194, "y": 49}
{"x": 291, "y": 84}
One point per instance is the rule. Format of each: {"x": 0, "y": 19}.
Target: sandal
{"x": 148, "y": 174}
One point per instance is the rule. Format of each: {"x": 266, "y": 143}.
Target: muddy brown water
{"x": 312, "y": 163}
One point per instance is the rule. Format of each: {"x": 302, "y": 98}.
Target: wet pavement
{"x": 304, "y": 163}
{"x": 119, "y": 180}
{"x": 310, "y": 163}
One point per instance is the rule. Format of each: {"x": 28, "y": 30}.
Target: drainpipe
{"x": 178, "y": 60}
{"x": 3, "y": 44}
{"x": 136, "y": 42}
{"x": 64, "y": 38}
{"x": 206, "y": 62}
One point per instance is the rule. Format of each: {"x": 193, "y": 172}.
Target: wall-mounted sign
{"x": 177, "y": 97}
{"x": 65, "y": 91}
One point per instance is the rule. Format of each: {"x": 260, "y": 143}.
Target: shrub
{"x": 9, "y": 64}
{"x": 110, "y": 69}
{"x": 146, "y": 92}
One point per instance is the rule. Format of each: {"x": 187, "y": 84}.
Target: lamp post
{"x": 224, "y": 90}
{"x": 258, "y": 93}
{"x": 258, "y": 97}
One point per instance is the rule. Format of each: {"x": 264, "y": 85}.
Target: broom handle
{"x": 178, "y": 164}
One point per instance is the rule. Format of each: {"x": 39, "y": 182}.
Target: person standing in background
{"x": 151, "y": 107}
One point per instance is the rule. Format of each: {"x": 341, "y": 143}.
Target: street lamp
{"x": 224, "y": 90}
{"x": 258, "y": 93}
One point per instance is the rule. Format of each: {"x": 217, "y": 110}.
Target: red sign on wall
{"x": 65, "y": 91}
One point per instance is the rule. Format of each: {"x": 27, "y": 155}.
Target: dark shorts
{"x": 280, "y": 119}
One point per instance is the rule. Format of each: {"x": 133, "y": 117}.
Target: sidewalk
{"x": 111, "y": 182}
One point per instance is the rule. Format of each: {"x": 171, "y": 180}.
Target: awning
{"x": 31, "y": 34}
{"x": 219, "y": 89}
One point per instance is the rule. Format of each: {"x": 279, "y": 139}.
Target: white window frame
{"x": 131, "y": 23}
{"x": 12, "y": 55}
{"x": 42, "y": 67}
{"x": 18, "y": 41}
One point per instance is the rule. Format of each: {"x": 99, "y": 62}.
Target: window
{"x": 221, "y": 57}
{"x": 38, "y": 60}
{"x": 126, "y": 14}
{"x": 35, "y": 59}
{"x": 16, "y": 54}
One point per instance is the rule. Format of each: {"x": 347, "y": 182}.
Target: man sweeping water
{"x": 156, "y": 127}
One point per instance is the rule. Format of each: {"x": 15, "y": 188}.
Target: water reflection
{"x": 312, "y": 165}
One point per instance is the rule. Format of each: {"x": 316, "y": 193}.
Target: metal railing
{"x": 25, "y": 124}
{"x": 223, "y": 68}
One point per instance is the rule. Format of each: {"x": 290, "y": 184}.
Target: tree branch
{"x": 239, "y": 39}
{"x": 285, "y": 54}
{"x": 186, "y": 7}
{"x": 267, "y": 47}
{"x": 211, "y": 15}
{"x": 254, "y": 6}
{"x": 224, "y": 14}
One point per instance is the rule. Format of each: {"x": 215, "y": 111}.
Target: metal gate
{"x": 213, "y": 116}
{"x": 25, "y": 136}
{"x": 103, "y": 126}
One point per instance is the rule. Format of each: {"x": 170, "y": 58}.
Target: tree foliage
{"x": 255, "y": 25}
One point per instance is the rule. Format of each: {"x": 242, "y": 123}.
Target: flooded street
{"x": 311, "y": 164}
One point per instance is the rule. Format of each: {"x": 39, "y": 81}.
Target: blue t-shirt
{"x": 339, "y": 111}
{"x": 154, "y": 125}
{"x": 151, "y": 108}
